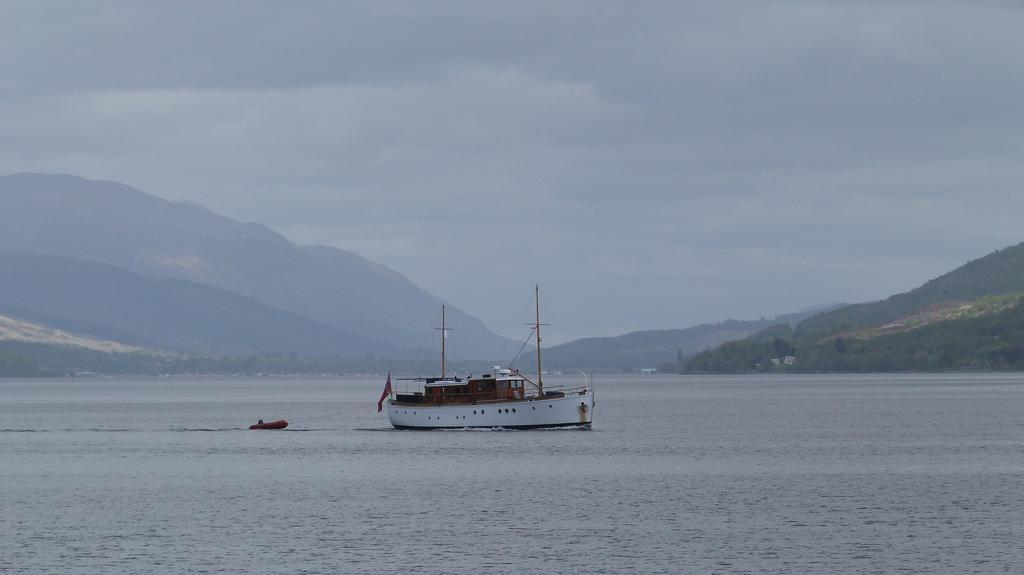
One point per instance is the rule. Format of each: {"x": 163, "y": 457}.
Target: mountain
{"x": 113, "y": 304}
{"x": 113, "y": 224}
{"x": 971, "y": 317}
{"x": 654, "y": 348}
{"x": 14, "y": 365}
{"x": 1000, "y": 272}
{"x": 12, "y": 329}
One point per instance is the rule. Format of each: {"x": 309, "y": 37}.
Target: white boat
{"x": 504, "y": 398}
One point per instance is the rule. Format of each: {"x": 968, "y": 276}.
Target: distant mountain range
{"x": 969, "y": 318}
{"x": 101, "y": 275}
{"x": 103, "y": 259}
{"x": 84, "y": 297}
{"x": 655, "y": 348}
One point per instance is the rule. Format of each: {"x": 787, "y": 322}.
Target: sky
{"x": 650, "y": 165}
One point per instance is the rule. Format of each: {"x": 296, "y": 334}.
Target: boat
{"x": 279, "y": 424}
{"x": 503, "y": 398}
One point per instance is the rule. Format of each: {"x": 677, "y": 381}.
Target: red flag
{"x": 383, "y": 396}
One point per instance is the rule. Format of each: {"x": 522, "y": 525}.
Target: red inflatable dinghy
{"x": 279, "y": 424}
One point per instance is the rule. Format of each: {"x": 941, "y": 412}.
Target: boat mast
{"x": 444, "y": 336}
{"x": 536, "y": 327}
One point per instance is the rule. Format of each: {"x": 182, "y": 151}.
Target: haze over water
{"x": 813, "y": 474}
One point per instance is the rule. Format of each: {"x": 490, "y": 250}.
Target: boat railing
{"x": 566, "y": 389}
{"x": 550, "y": 392}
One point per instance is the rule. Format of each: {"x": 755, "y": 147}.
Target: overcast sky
{"x": 651, "y": 165}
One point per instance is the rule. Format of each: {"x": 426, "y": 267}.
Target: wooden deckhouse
{"x": 499, "y": 385}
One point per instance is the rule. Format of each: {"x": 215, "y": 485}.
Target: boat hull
{"x": 279, "y": 424}
{"x": 572, "y": 410}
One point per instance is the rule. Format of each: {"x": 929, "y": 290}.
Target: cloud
{"x": 652, "y": 166}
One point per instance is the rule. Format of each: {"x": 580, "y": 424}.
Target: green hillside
{"x": 989, "y": 341}
{"x": 970, "y": 318}
{"x": 1000, "y": 272}
{"x": 15, "y": 365}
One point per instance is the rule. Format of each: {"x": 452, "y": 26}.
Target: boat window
{"x": 474, "y": 412}
{"x": 513, "y": 410}
{"x": 481, "y": 412}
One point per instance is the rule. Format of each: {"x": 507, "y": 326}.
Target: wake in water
{"x": 68, "y": 430}
{"x": 487, "y": 429}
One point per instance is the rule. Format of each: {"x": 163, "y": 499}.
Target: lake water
{"x": 809, "y": 474}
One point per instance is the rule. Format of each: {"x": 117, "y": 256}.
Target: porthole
{"x": 474, "y": 412}
{"x": 482, "y": 412}
{"x": 533, "y": 407}
{"x": 506, "y": 410}
{"x": 549, "y": 405}
{"x": 513, "y": 410}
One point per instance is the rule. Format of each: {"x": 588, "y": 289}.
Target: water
{"x": 815, "y": 474}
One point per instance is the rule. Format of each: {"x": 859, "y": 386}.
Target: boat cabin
{"x": 499, "y": 385}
